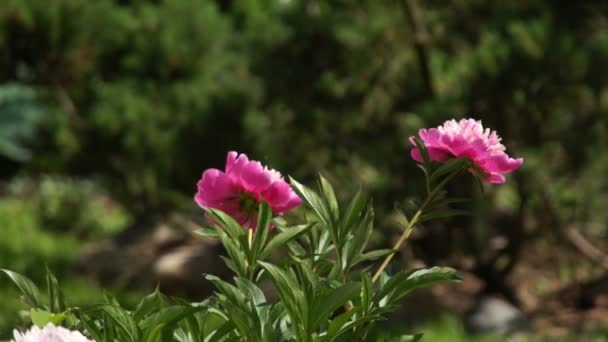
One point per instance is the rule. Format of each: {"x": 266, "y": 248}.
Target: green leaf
{"x": 445, "y": 202}
{"x": 255, "y": 294}
{"x": 214, "y": 320}
{"x": 329, "y": 198}
{"x": 290, "y": 293}
{"x": 448, "y": 167}
{"x": 30, "y": 292}
{"x": 412, "y": 338}
{"x": 423, "y": 151}
{"x": 238, "y": 257}
{"x": 328, "y": 303}
{"x": 353, "y": 212}
{"x": 313, "y": 201}
{"x": 156, "y": 324}
{"x": 404, "y": 282}
{"x": 261, "y": 233}
{"x": 367, "y": 292}
{"x": 283, "y": 238}
{"x": 207, "y": 232}
{"x": 230, "y": 226}
{"x": 124, "y": 321}
{"x": 40, "y": 317}
{"x": 361, "y": 235}
{"x": 56, "y": 298}
{"x": 442, "y": 214}
{"x": 149, "y": 304}
{"x": 231, "y": 292}
{"x": 90, "y": 325}
{"x": 375, "y": 254}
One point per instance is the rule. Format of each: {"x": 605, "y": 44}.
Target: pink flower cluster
{"x": 239, "y": 189}
{"x": 467, "y": 138}
{"x": 50, "y": 333}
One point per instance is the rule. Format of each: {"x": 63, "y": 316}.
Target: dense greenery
{"x": 141, "y": 95}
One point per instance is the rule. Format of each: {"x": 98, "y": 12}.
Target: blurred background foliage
{"x": 110, "y": 110}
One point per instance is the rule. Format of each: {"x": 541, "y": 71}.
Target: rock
{"x": 167, "y": 254}
{"x": 493, "y": 315}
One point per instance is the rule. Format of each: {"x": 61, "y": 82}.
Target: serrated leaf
{"x": 30, "y": 292}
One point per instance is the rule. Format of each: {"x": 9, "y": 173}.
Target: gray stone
{"x": 493, "y": 315}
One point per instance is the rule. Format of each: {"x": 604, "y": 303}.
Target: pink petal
{"x": 495, "y": 178}
{"x": 435, "y": 154}
{"x": 235, "y": 165}
{"x": 254, "y": 178}
{"x": 213, "y": 187}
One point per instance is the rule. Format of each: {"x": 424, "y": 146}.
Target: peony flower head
{"x": 467, "y": 138}
{"x": 240, "y": 188}
{"x": 50, "y": 333}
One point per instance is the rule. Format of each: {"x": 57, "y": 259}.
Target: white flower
{"x": 50, "y": 333}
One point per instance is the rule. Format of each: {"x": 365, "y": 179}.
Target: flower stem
{"x": 412, "y": 223}
{"x": 250, "y": 237}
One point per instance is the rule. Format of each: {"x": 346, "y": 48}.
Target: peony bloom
{"x": 468, "y": 138}
{"x": 50, "y": 333}
{"x": 241, "y": 187}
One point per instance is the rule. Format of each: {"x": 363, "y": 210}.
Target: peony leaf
{"x": 31, "y": 294}
{"x": 442, "y": 214}
{"x": 126, "y": 327}
{"x": 404, "y": 282}
{"x": 449, "y": 167}
{"x": 283, "y": 238}
{"x": 329, "y": 199}
{"x": 261, "y": 233}
{"x": 207, "y": 232}
{"x": 56, "y": 298}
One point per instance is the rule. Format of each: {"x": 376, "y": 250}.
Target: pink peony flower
{"x": 241, "y": 187}
{"x": 468, "y": 138}
{"x": 50, "y": 333}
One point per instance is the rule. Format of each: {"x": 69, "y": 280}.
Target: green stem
{"x": 412, "y": 223}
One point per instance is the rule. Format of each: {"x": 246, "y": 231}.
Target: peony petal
{"x": 235, "y": 165}
{"x": 468, "y": 138}
{"x": 213, "y": 187}
{"x": 430, "y": 137}
{"x": 495, "y": 178}
{"x": 254, "y": 178}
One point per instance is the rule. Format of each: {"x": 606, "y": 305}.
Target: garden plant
{"x": 326, "y": 283}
